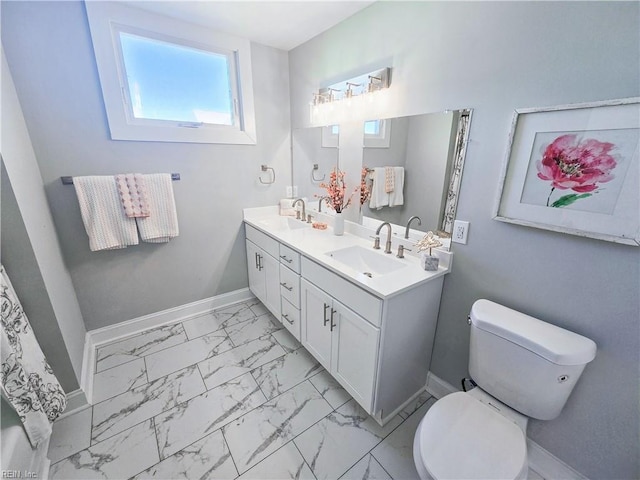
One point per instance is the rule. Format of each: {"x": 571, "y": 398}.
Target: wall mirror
{"x": 430, "y": 148}
{"x": 314, "y": 154}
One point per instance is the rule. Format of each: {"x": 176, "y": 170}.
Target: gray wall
{"x": 43, "y": 281}
{"x": 495, "y": 57}
{"x": 22, "y": 268}
{"x": 48, "y": 47}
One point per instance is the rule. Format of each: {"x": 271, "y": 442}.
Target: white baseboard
{"x": 76, "y": 402}
{"x": 438, "y": 387}
{"x": 540, "y": 460}
{"x": 88, "y": 365}
{"x": 113, "y": 333}
{"x": 389, "y": 416}
{"x": 549, "y": 466}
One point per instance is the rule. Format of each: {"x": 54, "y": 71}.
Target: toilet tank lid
{"x": 553, "y": 343}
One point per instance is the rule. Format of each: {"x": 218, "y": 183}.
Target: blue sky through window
{"x": 372, "y": 127}
{"x": 175, "y": 82}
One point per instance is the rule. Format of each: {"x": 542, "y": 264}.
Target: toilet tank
{"x": 526, "y": 363}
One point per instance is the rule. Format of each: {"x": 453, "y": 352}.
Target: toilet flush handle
{"x": 469, "y": 319}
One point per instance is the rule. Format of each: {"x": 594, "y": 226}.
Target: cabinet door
{"x": 271, "y": 269}
{"x": 355, "y": 353}
{"x": 315, "y": 328}
{"x": 256, "y": 275}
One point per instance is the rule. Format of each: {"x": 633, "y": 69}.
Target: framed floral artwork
{"x": 575, "y": 169}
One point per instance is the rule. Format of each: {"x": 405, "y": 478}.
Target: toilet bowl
{"x": 462, "y": 437}
{"x": 524, "y": 368}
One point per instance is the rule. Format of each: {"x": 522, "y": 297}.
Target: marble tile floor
{"x": 226, "y": 395}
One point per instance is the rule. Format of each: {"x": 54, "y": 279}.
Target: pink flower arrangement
{"x": 365, "y": 190}
{"x": 336, "y": 190}
{"x": 579, "y": 165}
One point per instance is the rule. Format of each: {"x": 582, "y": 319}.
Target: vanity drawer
{"x": 291, "y": 318}
{"x": 290, "y": 258}
{"x": 264, "y": 241}
{"x": 290, "y": 286}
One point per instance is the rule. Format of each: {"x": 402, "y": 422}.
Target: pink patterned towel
{"x": 389, "y": 177}
{"x": 133, "y": 194}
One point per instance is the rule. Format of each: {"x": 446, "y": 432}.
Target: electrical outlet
{"x": 292, "y": 191}
{"x": 460, "y": 231}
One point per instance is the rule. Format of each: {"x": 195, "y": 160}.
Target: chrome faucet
{"x": 387, "y": 247}
{"x": 415, "y": 217}
{"x": 304, "y": 213}
{"x": 320, "y": 203}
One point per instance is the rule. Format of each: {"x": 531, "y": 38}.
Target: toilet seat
{"x": 461, "y": 437}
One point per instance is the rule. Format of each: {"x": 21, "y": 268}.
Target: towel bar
{"x": 69, "y": 180}
{"x": 264, "y": 168}
{"x": 313, "y": 176}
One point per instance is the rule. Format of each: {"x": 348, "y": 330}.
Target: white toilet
{"x": 523, "y": 367}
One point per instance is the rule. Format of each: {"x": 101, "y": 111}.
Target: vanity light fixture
{"x": 349, "y": 92}
{"x": 365, "y": 84}
{"x": 375, "y": 84}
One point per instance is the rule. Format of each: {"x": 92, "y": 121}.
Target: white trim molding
{"x": 88, "y": 367}
{"x": 108, "y": 20}
{"x": 438, "y": 387}
{"x": 548, "y": 465}
{"x": 76, "y": 402}
{"x": 540, "y": 460}
{"x": 113, "y": 333}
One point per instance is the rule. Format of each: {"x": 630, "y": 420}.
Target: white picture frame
{"x": 574, "y": 169}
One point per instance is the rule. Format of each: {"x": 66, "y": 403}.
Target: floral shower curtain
{"x": 28, "y": 382}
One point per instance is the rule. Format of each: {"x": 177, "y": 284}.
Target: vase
{"x": 338, "y": 224}
{"x": 429, "y": 262}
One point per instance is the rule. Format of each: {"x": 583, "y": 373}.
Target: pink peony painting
{"x": 579, "y": 170}
{"x": 579, "y": 165}
{"x": 575, "y": 169}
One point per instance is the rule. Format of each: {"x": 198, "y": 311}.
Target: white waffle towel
{"x": 162, "y": 223}
{"x": 379, "y": 198}
{"x": 286, "y": 208}
{"x": 104, "y": 219}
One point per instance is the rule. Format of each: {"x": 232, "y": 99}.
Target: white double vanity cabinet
{"x": 372, "y": 331}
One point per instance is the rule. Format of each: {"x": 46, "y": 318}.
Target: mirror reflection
{"x": 410, "y": 160}
{"x": 315, "y": 153}
{"x": 417, "y": 161}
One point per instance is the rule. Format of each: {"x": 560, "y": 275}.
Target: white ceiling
{"x": 279, "y": 24}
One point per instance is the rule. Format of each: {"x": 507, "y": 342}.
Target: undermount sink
{"x": 366, "y": 261}
{"x": 283, "y": 223}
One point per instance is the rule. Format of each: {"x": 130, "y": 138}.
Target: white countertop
{"x": 314, "y": 244}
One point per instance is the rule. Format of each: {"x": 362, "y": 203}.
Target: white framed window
{"x": 377, "y": 133}
{"x": 166, "y": 80}
{"x": 330, "y": 135}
